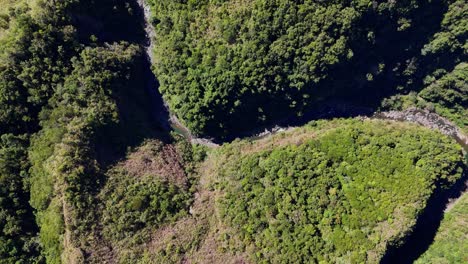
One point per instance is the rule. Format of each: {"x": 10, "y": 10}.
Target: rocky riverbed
{"x": 427, "y": 119}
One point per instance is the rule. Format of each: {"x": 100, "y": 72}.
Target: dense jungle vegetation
{"x": 341, "y": 195}
{"x": 230, "y": 66}
{"x": 89, "y": 175}
{"x": 71, "y": 107}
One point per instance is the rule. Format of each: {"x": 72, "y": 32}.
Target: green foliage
{"x": 51, "y": 224}
{"x": 450, "y": 244}
{"x": 445, "y": 90}
{"x": 452, "y": 38}
{"x": 71, "y": 106}
{"x": 341, "y": 197}
{"x": 17, "y": 231}
{"x": 135, "y": 206}
{"x": 447, "y": 95}
{"x": 69, "y": 88}
{"x": 230, "y": 66}
{"x": 34, "y": 57}
{"x": 219, "y": 57}
{"x": 65, "y": 170}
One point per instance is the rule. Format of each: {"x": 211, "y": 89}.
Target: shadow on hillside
{"x": 142, "y": 114}
{"x": 139, "y": 119}
{"x": 347, "y": 91}
{"x": 428, "y": 222}
{"x": 108, "y": 21}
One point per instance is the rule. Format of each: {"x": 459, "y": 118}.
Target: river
{"x": 160, "y": 109}
{"x": 419, "y": 240}
{"x": 427, "y": 119}
{"x": 328, "y": 110}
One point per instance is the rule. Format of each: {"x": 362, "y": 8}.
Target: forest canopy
{"x": 230, "y": 66}
{"x": 91, "y": 170}
{"x": 342, "y": 191}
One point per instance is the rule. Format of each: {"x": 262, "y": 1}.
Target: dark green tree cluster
{"x": 229, "y": 66}
{"x": 444, "y": 86}
{"x": 344, "y": 196}
{"x": 35, "y": 55}
{"x": 17, "y": 228}
{"x": 451, "y": 40}
{"x": 34, "y": 50}
{"x": 70, "y": 81}
{"x": 67, "y": 175}
{"x": 63, "y": 156}
{"x": 449, "y": 95}
{"x": 37, "y": 48}
{"x": 446, "y": 95}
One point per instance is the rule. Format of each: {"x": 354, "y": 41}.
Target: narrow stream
{"x": 328, "y": 110}
{"x": 160, "y": 111}
{"x": 428, "y": 222}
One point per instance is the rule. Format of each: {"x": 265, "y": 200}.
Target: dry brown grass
{"x": 202, "y": 230}
{"x": 154, "y": 158}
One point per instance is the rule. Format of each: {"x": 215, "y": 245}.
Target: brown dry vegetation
{"x": 151, "y": 160}
{"x": 196, "y": 238}
{"x": 156, "y": 159}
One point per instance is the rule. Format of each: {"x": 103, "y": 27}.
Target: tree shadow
{"x": 142, "y": 114}
{"x": 140, "y": 119}
{"x": 108, "y": 21}
{"x": 427, "y": 225}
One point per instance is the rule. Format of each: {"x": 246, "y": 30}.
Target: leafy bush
{"x": 135, "y": 205}
{"x": 18, "y": 242}
{"x": 65, "y": 173}
{"x": 447, "y": 95}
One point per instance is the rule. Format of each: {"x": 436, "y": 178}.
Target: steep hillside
{"x": 447, "y": 96}
{"x": 342, "y": 195}
{"x": 227, "y": 67}
{"x": 450, "y": 244}
{"x": 91, "y": 172}
{"x": 72, "y": 104}
{"x": 339, "y": 191}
